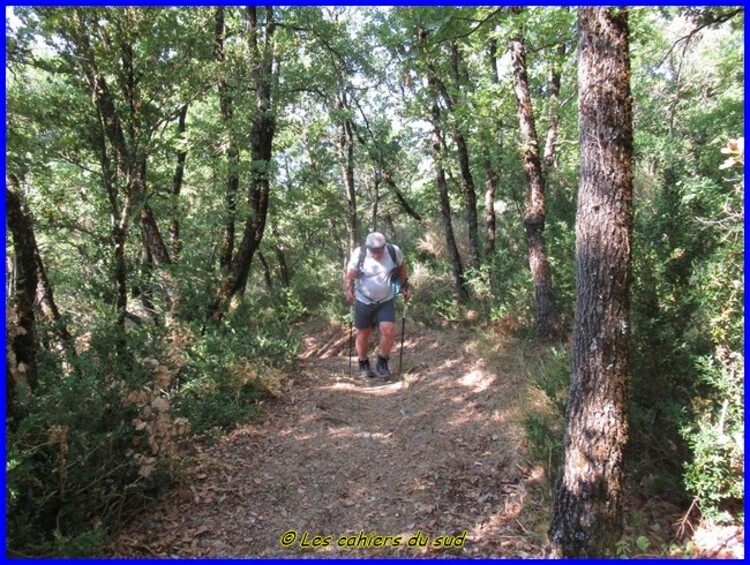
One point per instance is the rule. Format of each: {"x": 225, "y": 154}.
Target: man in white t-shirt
{"x": 369, "y": 283}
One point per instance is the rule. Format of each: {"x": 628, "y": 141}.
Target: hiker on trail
{"x": 379, "y": 270}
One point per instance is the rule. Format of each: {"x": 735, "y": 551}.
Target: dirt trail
{"x": 436, "y": 452}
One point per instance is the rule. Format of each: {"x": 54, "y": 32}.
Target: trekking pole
{"x": 403, "y": 328}
{"x": 351, "y": 331}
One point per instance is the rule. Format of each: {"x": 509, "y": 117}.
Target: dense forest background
{"x": 183, "y": 186}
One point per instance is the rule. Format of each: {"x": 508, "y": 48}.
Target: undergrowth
{"x": 98, "y": 440}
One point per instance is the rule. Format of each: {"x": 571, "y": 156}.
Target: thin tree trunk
{"x": 265, "y": 70}
{"x": 534, "y": 213}
{"x": 144, "y": 290}
{"x": 588, "y": 509}
{"x": 120, "y": 269}
{"x": 469, "y": 192}
{"x": 470, "y": 195}
{"x": 266, "y": 271}
{"x": 113, "y": 168}
{"x": 158, "y": 251}
{"x": 490, "y": 170}
{"x": 376, "y": 203}
{"x": 157, "y": 255}
{"x": 346, "y": 156}
{"x": 489, "y": 205}
{"x": 408, "y": 208}
{"x": 174, "y": 225}
{"x": 281, "y": 258}
{"x": 554, "y": 106}
{"x": 124, "y": 166}
{"x": 462, "y": 294}
{"x": 231, "y": 152}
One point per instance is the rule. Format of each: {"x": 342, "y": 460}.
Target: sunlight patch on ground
{"x": 378, "y": 389}
{"x": 371, "y": 435}
{"x": 299, "y": 437}
{"x": 477, "y": 380}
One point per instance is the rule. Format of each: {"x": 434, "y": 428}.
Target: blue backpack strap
{"x": 392, "y": 253}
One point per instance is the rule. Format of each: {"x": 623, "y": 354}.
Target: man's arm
{"x": 404, "y": 281}
{"x": 349, "y": 276}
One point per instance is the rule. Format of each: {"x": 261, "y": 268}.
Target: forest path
{"x": 437, "y": 452}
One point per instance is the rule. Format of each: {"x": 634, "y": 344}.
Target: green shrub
{"x": 74, "y": 466}
{"x": 715, "y": 475}
{"x": 237, "y": 364}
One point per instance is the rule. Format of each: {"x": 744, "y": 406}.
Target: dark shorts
{"x": 365, "y": 315}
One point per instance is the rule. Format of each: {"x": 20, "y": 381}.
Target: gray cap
{"x": 375, "y": 239}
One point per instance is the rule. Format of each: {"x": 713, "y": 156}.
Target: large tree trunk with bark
{"x": 534, "y": 214}
{"x": 587, "y": 518}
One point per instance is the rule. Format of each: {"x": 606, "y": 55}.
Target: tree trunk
{"x": 174, "y": 225}
{"x": 462, "y": 294}
{"x": 113, "y": 168}
{"x": 144, "y": 288}
{"x": 281, "y": 258}
{"x": 231, "y": 152}
{"x": 45, "y": 296}
{"x": 408, "y": 208}
{"x": 470, "y": 195}
{"x": 158, "y": 251}
{"x": 266, "y": 271}
{"x": 346, "y": 154}
{"x": 587, "y": 517}
{"x": 375, "y": 203}
{"x": 554, "y": 106}
{"x": 489, "y": 205}
{"x": 21, "y": 331}
{"x": 109, "y": 130}
{"x": 265, "y": 70}
{"x": 157, "y": 254}
{"x": 490, "y": 170}
{"x": 534, "y": 214}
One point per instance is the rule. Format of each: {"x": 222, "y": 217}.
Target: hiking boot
{"x": 382, "y": 367}
{"x": 365, "y": 370}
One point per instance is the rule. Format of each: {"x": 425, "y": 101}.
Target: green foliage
{"x": 74, "y": 463}
{"x": 715, "y": 475}
{"x": 95, "y": 439}
{"x": 686, "y": 295}
{"x": 218, "y": 403}
{"x": 236, "y": 366}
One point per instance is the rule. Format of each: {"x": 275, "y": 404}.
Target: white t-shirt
{"x": 373, "y": 282}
